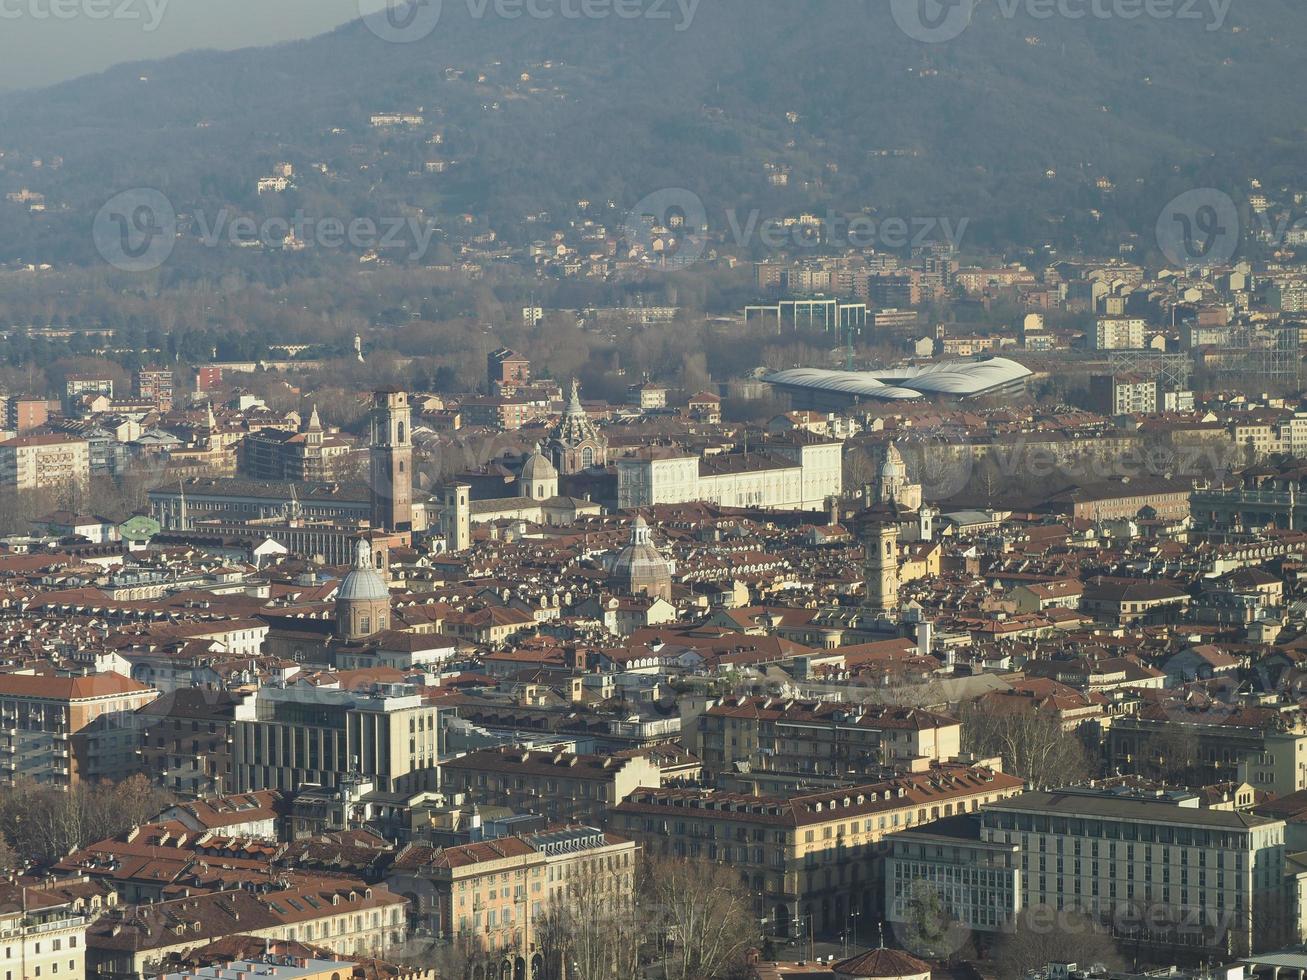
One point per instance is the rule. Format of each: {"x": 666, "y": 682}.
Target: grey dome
{"x": 538, "y": 467}
{"x": 893, "y": 467}
{"x": 364, "y": 583}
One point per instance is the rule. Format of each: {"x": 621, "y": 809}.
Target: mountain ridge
{"x": 860, "y": 115}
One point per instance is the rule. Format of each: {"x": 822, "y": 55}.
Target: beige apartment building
{"x": 814, "y": 859}
{"x": 559, "y": 785}
{"x": 1118, "y": 333}
{"x": 61, "y": 731}
{"x": 491, "y": 898}
{"x": 42, "y": 934}
{"x": 343, "y": 915}
{"x": 44, "y": 462}
{"x": 821, "y": 737}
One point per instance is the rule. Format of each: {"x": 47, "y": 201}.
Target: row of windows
{"x": 55, "y": 946}
{"x": 1115, "y": 830}
{"x": 1148, "y": 852}
{"x": 36, "y": 971}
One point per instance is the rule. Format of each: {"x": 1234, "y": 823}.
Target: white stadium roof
{"x": 957, "y": 379}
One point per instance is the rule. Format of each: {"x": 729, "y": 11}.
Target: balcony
{"x": 36, "y": 928}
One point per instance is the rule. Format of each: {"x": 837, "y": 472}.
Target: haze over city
{"x": 653, "y": 490}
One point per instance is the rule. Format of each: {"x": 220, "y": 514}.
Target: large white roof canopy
{"x": 958, "y": 379}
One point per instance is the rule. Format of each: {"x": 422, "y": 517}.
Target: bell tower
{"x": 881, "y": 571}
{"x": 392, "y": 461}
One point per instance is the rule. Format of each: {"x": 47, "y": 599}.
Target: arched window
{"x": 587, "y": 457}
{"x": 400, "y": 431}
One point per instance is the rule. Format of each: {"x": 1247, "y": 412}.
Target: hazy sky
{"x": 39, "y": 48}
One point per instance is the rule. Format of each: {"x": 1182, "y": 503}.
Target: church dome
{"x": 538, "y": 467}
{"x": 882, "y": 964}
{"x": 364, "y": 583}
{"x": 640, "y": 568}
{"x": 893, "y": 467}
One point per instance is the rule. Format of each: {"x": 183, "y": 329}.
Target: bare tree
{"x": 44, "y": 823}
{"x": 1032, "y": 743}
{"x": 1042, "y": 935}
{"x": 1171, "y": 754}
{"x": 706, "y": 915}
{"x": 592, "y": 931}
{"x": 451, "y": 960}
{"x": 928, "y": 694}
{"x": 8, "y": 859}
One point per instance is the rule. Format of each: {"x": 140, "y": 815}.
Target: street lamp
{"x": 853, "y": 918}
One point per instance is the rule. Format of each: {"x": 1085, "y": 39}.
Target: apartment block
{"x": 1118, "y": 333}
{"x": 826, "y": 737}
{"x": 559, "y": 785}
{"x": 1162, "y": 869}
{"x": 44, "y": 462}
{"x": 492, "y": 898}
{"x": 1122, "y": 394}
{"x": 76, "y": 385}
{"x": 507, "y": 368}
{"x": 285, "y": 737}
{"x": 949, "y": 860}
{"x": 340, "y": 914}
{"x": 42, "y": 934}
{"x": 61, "y": 731}
{"x": 186, "y": 738}
{"x": 811, "y": 860}
{"x": 1246, "y": 746}
{"x": 23, "y": 413}
{"x": 155, "y": 385}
